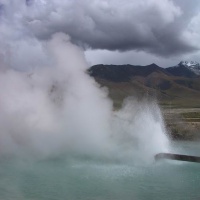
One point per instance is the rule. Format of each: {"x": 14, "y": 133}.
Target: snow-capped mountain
{"x": 191, "y": 65}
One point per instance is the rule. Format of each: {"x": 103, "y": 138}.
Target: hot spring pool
{"x": 87, "y": 178}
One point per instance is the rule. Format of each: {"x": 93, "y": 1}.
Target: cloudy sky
{"x": 110, "y": 31}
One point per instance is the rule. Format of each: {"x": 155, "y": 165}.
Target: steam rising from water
{"x": 57, "y": 109}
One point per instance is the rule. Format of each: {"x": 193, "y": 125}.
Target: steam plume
{"x": 50, "y": 106}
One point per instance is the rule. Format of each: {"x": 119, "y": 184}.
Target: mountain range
{"x": 177, "y": 86}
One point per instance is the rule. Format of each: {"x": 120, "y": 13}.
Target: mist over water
{"x": 60, "y": 136}
{"x": 51, "y": 107}
{"x": 57, "y": 109}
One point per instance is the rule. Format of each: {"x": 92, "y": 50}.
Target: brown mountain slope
{"x": 177, "y": 88}
{"x": 151, "y": 81}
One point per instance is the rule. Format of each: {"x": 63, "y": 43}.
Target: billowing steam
{"x": 50, "y": 106}
{"x": 58, "y": 109}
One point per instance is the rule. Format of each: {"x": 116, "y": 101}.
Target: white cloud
{"x": 114, "y": 25}
{"x": 192, "y": 32}
{"x": 157, "y": 28}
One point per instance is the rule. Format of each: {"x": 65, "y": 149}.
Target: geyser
{"x": 50, "y": 106}
{"x": 58, "y": 108}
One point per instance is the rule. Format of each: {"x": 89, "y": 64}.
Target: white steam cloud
{"x": 50, "y": 106}
{"x": 60, "y": 109}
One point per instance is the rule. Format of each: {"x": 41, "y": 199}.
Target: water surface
{"x": 87, "y": 178}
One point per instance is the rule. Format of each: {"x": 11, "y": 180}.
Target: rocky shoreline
{"x": 183, "y": 123}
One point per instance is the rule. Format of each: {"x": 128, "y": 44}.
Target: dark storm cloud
{"x": 152, "y": 26}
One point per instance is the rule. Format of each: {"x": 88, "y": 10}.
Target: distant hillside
{"x": 123, "y": 73}
{"x": 177, "y": 86}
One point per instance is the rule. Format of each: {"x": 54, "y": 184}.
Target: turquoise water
{"x": 87, "y": 178}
